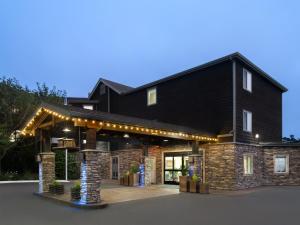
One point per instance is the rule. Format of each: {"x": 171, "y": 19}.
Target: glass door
{"x": 173, "y": 162}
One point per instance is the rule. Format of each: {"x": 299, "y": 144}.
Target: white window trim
{"x": 251, "y": 124}
{"x": 252, "y": 160}
{"x": 287, "y": 166}
{"x": 148, "y": 96}
{"x": 248, "y": 81}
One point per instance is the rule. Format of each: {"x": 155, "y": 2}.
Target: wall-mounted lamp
{"x": 256, "y": 136}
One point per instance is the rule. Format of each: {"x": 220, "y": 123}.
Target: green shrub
{"x": 195, "y": 178}
{"x": 134, "y": 169}
{"x": 76, "y": 187}
{"x": 185, "y": 170}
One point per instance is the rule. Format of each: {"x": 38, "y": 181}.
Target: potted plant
{"x": 133, "y": 175}
{"x": 75, "y": 192}
{"x": 194, "y": 184}
{"x": 184, "y": 180}
{"x": 126, "y": 178}
{"x": 121, "y": 180}
{"x": 204, "y": 188}
{"x": 56, "y": 188}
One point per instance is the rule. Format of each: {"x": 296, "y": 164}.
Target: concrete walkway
{"x": 124, "y": 194}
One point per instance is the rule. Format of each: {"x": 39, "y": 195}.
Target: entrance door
{"x": 115, "y": 167}
{"x": 173, "y": 163}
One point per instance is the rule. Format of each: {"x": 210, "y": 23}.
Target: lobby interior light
{"x": 126, "y": 135}
{"x": 66, "y": 130}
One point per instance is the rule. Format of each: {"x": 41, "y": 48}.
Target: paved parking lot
{"x": 271, "y": 205}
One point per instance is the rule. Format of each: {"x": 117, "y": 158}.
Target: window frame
{"x": 287, "y": 166}
{"x": 247, "y": 86}
{"x": 153, "y": 89}
{"x": 246, "y": 129}
{"x": 252, "y": 164}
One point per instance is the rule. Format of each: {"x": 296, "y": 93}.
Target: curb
{"x": 100, "y": 205}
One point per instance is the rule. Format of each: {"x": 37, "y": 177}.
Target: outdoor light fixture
{"x": 126, "y": 135}
{"x": 256, "y": 136}
{"x": 66, "y": 130}
{"x": 84, "y": 141}
{"x": 165, "y": 140}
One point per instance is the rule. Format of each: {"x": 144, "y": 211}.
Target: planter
{"x": 135, "y": 179}
{"x": 204, "y": 188}
{"x": 130, "y": 180}
{"x": 57, "y": 189}
{"x": 184, "y": 184}
{"x": 122, "y": 181}
{"x": 194, "y": 186}
{"x": 75, "y": 195}
{"x": 126, "y": 180}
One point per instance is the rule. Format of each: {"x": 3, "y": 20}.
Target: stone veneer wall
{"x": 127, "y": 158}
{"x": 220, "y": 170}
{"x": 291, "y": 178}
{"x": 105, "y": 164}
{"x": 46, "y": 171}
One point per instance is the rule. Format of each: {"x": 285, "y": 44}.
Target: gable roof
{"x": 123, "y": 89}
{"x": 233, "y": 56}
{"x": 117, "y": 87}
{"x": 77, "y": 112}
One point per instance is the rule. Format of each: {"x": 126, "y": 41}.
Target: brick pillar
{"x": 91, "y": 135}
{"x": 90, "y": 176}
{"x": 46, "y": 170}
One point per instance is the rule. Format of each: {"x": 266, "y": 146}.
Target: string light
{"x": 115, "y": 126}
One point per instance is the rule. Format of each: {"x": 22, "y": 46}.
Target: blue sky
{"x": 70, "y": 44}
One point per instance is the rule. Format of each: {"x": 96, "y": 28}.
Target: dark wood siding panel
{"x": 201, "y": 100}
{"x": 265, "y": 103}
{"x": 103, "y": 99}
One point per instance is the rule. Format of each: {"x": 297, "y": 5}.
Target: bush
{"x": 76, "y": 187}
{"x": 134, "y": 169}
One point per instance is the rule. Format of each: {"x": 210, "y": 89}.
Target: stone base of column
{"x": 46, "y": 170}
{"x": 90, "y": 176}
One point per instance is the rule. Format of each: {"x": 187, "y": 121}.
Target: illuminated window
{"x": 247, "y": 80}
{"x": 281, "y": 164}
{"x": 247, "y": 121}
{"x": 248, "y": 164}
{"x": 151, "y": 96}
{"x": 90, "y": 107}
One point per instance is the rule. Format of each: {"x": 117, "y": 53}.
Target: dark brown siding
{"x": 103, "y": 99}
{"x": 201, "y": 100}
{"x": 265, "y": 103}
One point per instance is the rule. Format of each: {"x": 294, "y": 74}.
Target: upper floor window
{"x": 281, "y": 164}
{"x": 90, "y": 107}
{"x": 151, "y": 96}
{"x": 247, "y": 80}
{"x": 248, "y": 164}
{"x": 247, "y": 121}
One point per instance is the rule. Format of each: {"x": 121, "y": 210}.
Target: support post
{"x": 46, "y": 170}
{"x": 90, "y": 177}
{"x": 66, "y": 164}
{"x": 195, "y": 161}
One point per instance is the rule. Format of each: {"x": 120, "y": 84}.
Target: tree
{"x": 291, "y": 139}
{"x": 17, "y": 103}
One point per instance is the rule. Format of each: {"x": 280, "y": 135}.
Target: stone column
{"x": 46, "y": 170}
{"x": 90, "y": 176}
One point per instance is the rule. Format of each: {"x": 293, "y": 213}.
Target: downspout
{"x": 234, "y": 99}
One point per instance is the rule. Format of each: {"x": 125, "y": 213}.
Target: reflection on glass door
{"x": 173, "y": 162}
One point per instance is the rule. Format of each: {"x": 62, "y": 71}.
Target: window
{"x": 281, "y": 164}
{"x": 248, "y": 164}
{"x": 90, "y": 107}
{"x": 247, "y": 121}
{"x": 247, "y": 80}
{"x": 151, "y": 96}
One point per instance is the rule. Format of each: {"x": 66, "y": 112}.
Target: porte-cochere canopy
{"x": 48, "y": 115}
